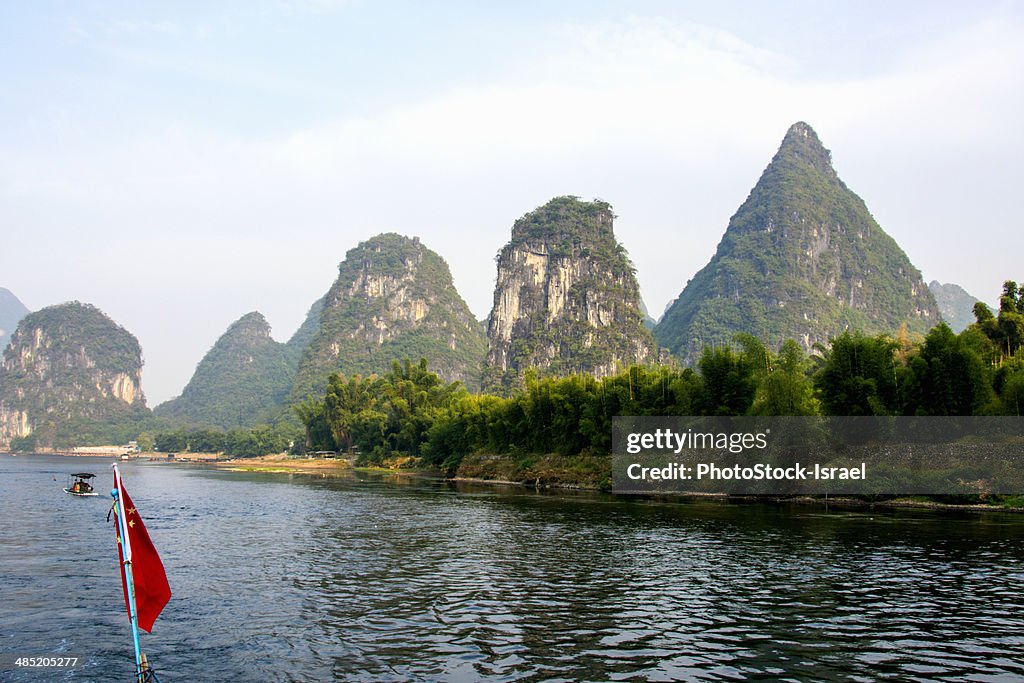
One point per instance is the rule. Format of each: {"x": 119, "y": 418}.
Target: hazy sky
{"x": 180, "y": 164}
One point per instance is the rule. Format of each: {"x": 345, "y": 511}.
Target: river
{"x": 280, "y": 577}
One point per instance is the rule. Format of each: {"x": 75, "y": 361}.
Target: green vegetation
{"x": 75, "y": 373}
{"x": 559, "y": 429}
{"x": 243, "y": 378}
{"x": 262, "y": 439}
{"x": 393, "y": 298}
{"x": 75, "y": 328}
{"x": 570, "y": 227}
{"x": 801, "y": 259}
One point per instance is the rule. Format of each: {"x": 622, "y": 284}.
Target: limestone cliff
{"x": 801, "y": 259}
{"x": 394, "y": 299}
{"x": 244, "y": 378}
{"x": 68, "y": 365}
{"x": 566, "y": 298}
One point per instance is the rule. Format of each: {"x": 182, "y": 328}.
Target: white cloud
{"x": 139, "y": 27}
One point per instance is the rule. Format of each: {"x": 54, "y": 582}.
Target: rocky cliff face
{"x": 244, "y": 378}
{"x": 68, "y": 364}
{"x": 11, "y": 313}
{"x": 566, "y": 299}
{"x": 801, "y": 259}
{"x": 393, "y": 299}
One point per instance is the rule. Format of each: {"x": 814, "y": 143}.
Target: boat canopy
{"x": 84, "y": 475}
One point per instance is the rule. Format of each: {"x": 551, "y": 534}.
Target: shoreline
{"x": 280, "y": 464}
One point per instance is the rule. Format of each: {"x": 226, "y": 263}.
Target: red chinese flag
{"x": 151, "y": 589}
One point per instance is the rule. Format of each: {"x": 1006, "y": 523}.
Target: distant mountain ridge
{"x": 11, "y": 313}
{"x": 955, "y": 305}
{"x": 802, "y": 258}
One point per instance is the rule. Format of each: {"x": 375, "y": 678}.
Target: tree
{"x": 1007, "y": 330}
{"x": 1012, "y": 397}
{"x": 728, "y": 383}
{"x": 949, "y": 376}
{"x": 318, "y": 432}
{"x": 787, "y": 389}
{"x": 145, "y": 441}
{"x": 860, "y": 376}
{"x": 171, "y": 442}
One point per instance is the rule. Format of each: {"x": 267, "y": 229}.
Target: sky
{"x": 181, "y": 164}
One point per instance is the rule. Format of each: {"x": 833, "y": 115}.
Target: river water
{"x": 281, "y": 577}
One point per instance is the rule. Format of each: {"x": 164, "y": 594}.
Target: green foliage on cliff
{"x": 303, "y": 336}
{"x": 801, "y": 259}
{"x": 73, "y": 329}
{"x": 74, "y": 372}
{"x": 394, "y": 298}
{"x": 244, "y": 377}
{"x": 577, "y": 299}
{"x": 569, "y": 227}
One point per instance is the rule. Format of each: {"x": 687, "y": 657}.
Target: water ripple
{"x": 293, "y": 578}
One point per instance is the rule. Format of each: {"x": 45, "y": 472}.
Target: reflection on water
{"x": 294, "y": 577}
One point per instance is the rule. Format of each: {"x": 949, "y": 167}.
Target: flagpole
{"x": 126, "y": 554}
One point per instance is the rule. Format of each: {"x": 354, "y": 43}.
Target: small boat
{"x": 81, "y": 485}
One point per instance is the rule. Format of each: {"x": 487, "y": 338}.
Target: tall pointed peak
{"x": 802, "y": 129}
{"x": 802, "y": 146}
{"x": 802, "y": 258}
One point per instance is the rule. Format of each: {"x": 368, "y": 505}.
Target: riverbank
{"x": 284, "y": 463}
{"x": 581, "y": 472}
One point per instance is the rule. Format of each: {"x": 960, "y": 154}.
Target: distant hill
{"x": 303, "y": 336}
{"x": 394, "y": 299}
{"x": 955, "y": 304}
{"x": 801, "y": 259}
{"x": 242, "y": 380}
{"x": 68, "y": 369}
{"x": 566, "y": 298}
{"x": 649, "y": 322}
{"x": 11, "y": 313}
